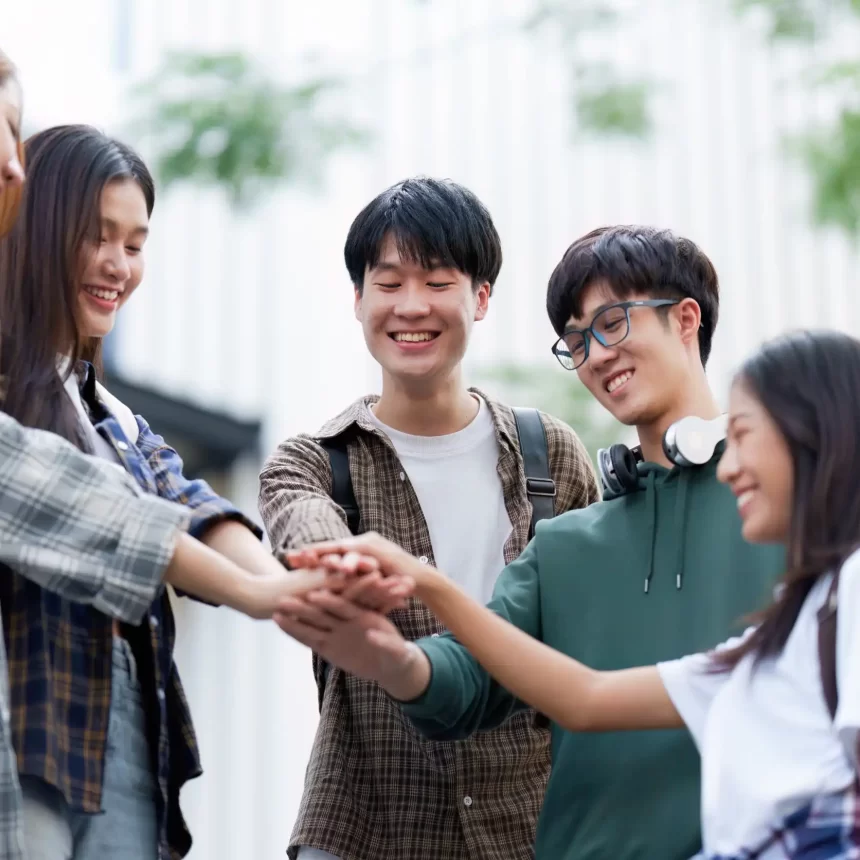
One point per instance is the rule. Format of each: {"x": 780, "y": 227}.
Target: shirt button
{"x": 467, "y": 801}
{"x": 153, "y": 622}
{"x": 161, "y": 695}
{"x": 122, "y": 446}
{"x": 403, "y": 476}
{"x": 423, "y": 559}
{"x": 434, "y": 635}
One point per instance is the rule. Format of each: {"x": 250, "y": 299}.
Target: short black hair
{"x": 635, "y": 260}
{"x": 435, "y": 222}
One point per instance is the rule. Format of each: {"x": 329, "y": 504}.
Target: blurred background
{"x": 271, "y": 123}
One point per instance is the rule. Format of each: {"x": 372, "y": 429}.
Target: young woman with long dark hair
{"x": 774, "y": 712}
{"x": 99, "y": 719}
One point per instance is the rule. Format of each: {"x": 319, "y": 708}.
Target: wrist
{"x": 411, "y": 678}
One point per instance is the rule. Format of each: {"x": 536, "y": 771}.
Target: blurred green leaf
{"x": 614, "y": 109}
{"x": 833, "y": 158}
{"x": 216, "y": 119}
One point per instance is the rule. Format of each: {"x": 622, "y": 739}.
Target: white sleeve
{"x": 847, "y": 720}
{"x": 692, "y": 684}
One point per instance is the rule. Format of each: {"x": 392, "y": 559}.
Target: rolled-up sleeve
{"x": 79, "y": 526}
{"x": 206, "y": 508}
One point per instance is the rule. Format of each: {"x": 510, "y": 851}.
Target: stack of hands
{"x": 341, "y": 613}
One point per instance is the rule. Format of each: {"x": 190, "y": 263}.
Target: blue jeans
{"x": 127, "y": 829}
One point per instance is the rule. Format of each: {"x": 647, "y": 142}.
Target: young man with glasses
{"x": 657, "y": 570}
{"x": 437, "y": 468}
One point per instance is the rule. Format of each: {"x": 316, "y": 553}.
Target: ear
{"x": 689, "y": 316}
{"x": 357, "y": 305}
{"x": 482, "y": 300}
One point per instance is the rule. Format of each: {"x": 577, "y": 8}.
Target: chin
{"x": 761, "y": 532}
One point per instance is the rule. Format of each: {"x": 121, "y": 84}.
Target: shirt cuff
{"x": 145, "y": 548}
{"x": 444, "y": 689}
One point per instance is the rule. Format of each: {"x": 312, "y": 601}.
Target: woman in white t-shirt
{"x": 779, "y": 774}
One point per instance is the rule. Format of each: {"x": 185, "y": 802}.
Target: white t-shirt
{"x": 769, "y": 747}
{"x": 457, "y": 483}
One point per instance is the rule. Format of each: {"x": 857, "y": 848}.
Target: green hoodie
{"x": 630, "y": 581}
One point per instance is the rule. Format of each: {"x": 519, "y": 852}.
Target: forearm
{"x": 409, "y": 681}
{"x": 235, "y": 542}
{"x": 569, "y": 693}
{"x": 204, "y": 573}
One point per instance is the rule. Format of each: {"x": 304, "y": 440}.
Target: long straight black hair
{"x": 809, "y": 384}
{"x": 41, "y": 265}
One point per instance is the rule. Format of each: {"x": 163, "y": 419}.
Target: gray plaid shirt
{"x": 82, "y": 528}
{"x": 375, "y": 789}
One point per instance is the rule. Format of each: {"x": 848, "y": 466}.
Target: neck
{"x": 426, "y": 409}
{"x": 698, "y": 401}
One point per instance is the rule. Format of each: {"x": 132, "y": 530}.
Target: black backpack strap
{"x": 540, "y": 486}
{"x": 827, "y": 646}
{"x": 342, "y": 492}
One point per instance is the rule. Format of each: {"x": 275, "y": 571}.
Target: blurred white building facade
{"x": 251, "y": 314}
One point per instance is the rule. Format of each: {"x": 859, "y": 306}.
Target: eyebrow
{"x": 738, "y": 416}
{"x": 140, "y": 230}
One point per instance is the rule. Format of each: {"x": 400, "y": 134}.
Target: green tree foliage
{"x": 609, "y": 104}
{"x": 217, "y": 119}
{"x": 830, "y": 151}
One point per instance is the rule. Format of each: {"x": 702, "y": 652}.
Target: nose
{"x": 599, "y": 355}
{"x": 11, "y": 174}
{"x": 115, "y": 263}
{"x": 728, "y": 468}
{"x": 412, "y": 302}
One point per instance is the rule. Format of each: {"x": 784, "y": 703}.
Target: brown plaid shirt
{"x": 374, "y": 788}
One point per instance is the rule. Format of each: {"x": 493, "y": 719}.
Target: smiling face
{"x": 758, "y": 468}
{"x": 113, "y": 258}
{"x": 417, "y": 321}
{"x": 638, "y": 380}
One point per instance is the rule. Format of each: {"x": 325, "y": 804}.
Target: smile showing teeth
{"x": 413, "y": 336}
{"x": 744, "y": 498}
{"x": 106, "y": 295}
{"x": 618, "y": 381}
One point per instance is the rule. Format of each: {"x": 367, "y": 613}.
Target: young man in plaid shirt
{"x": 437, "y": 468}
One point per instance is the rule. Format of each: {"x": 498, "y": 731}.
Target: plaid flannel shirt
{"x": 59, "y": 728}
{"x": 375, "y": 789}
{"x": 79, "y": 528}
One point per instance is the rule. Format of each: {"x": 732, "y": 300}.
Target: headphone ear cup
{"x": 624, "y": 466}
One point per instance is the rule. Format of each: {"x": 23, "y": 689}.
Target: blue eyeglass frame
{"x": 589, "y": 332}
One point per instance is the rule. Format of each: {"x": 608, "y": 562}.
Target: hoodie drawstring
{"x": 681, "y": 525}
{"x": 651, "y": 517}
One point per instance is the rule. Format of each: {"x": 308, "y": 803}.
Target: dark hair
{"x": 41, "y": 263}
{"x": 434, "y": 222}
{"x": 10, "y": 198}
{"x": 635, "y": 260}
{"x": 808, "y": 383}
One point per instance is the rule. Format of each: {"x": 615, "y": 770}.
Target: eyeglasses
{"x": 609, "y": 327}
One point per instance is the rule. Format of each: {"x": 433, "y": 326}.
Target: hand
{"x": 361, "y": 642}
{"x": 260, "y": 596}
{"x": 355, "y": 554}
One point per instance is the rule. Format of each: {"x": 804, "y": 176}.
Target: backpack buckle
{"x": 540, "y": 487}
